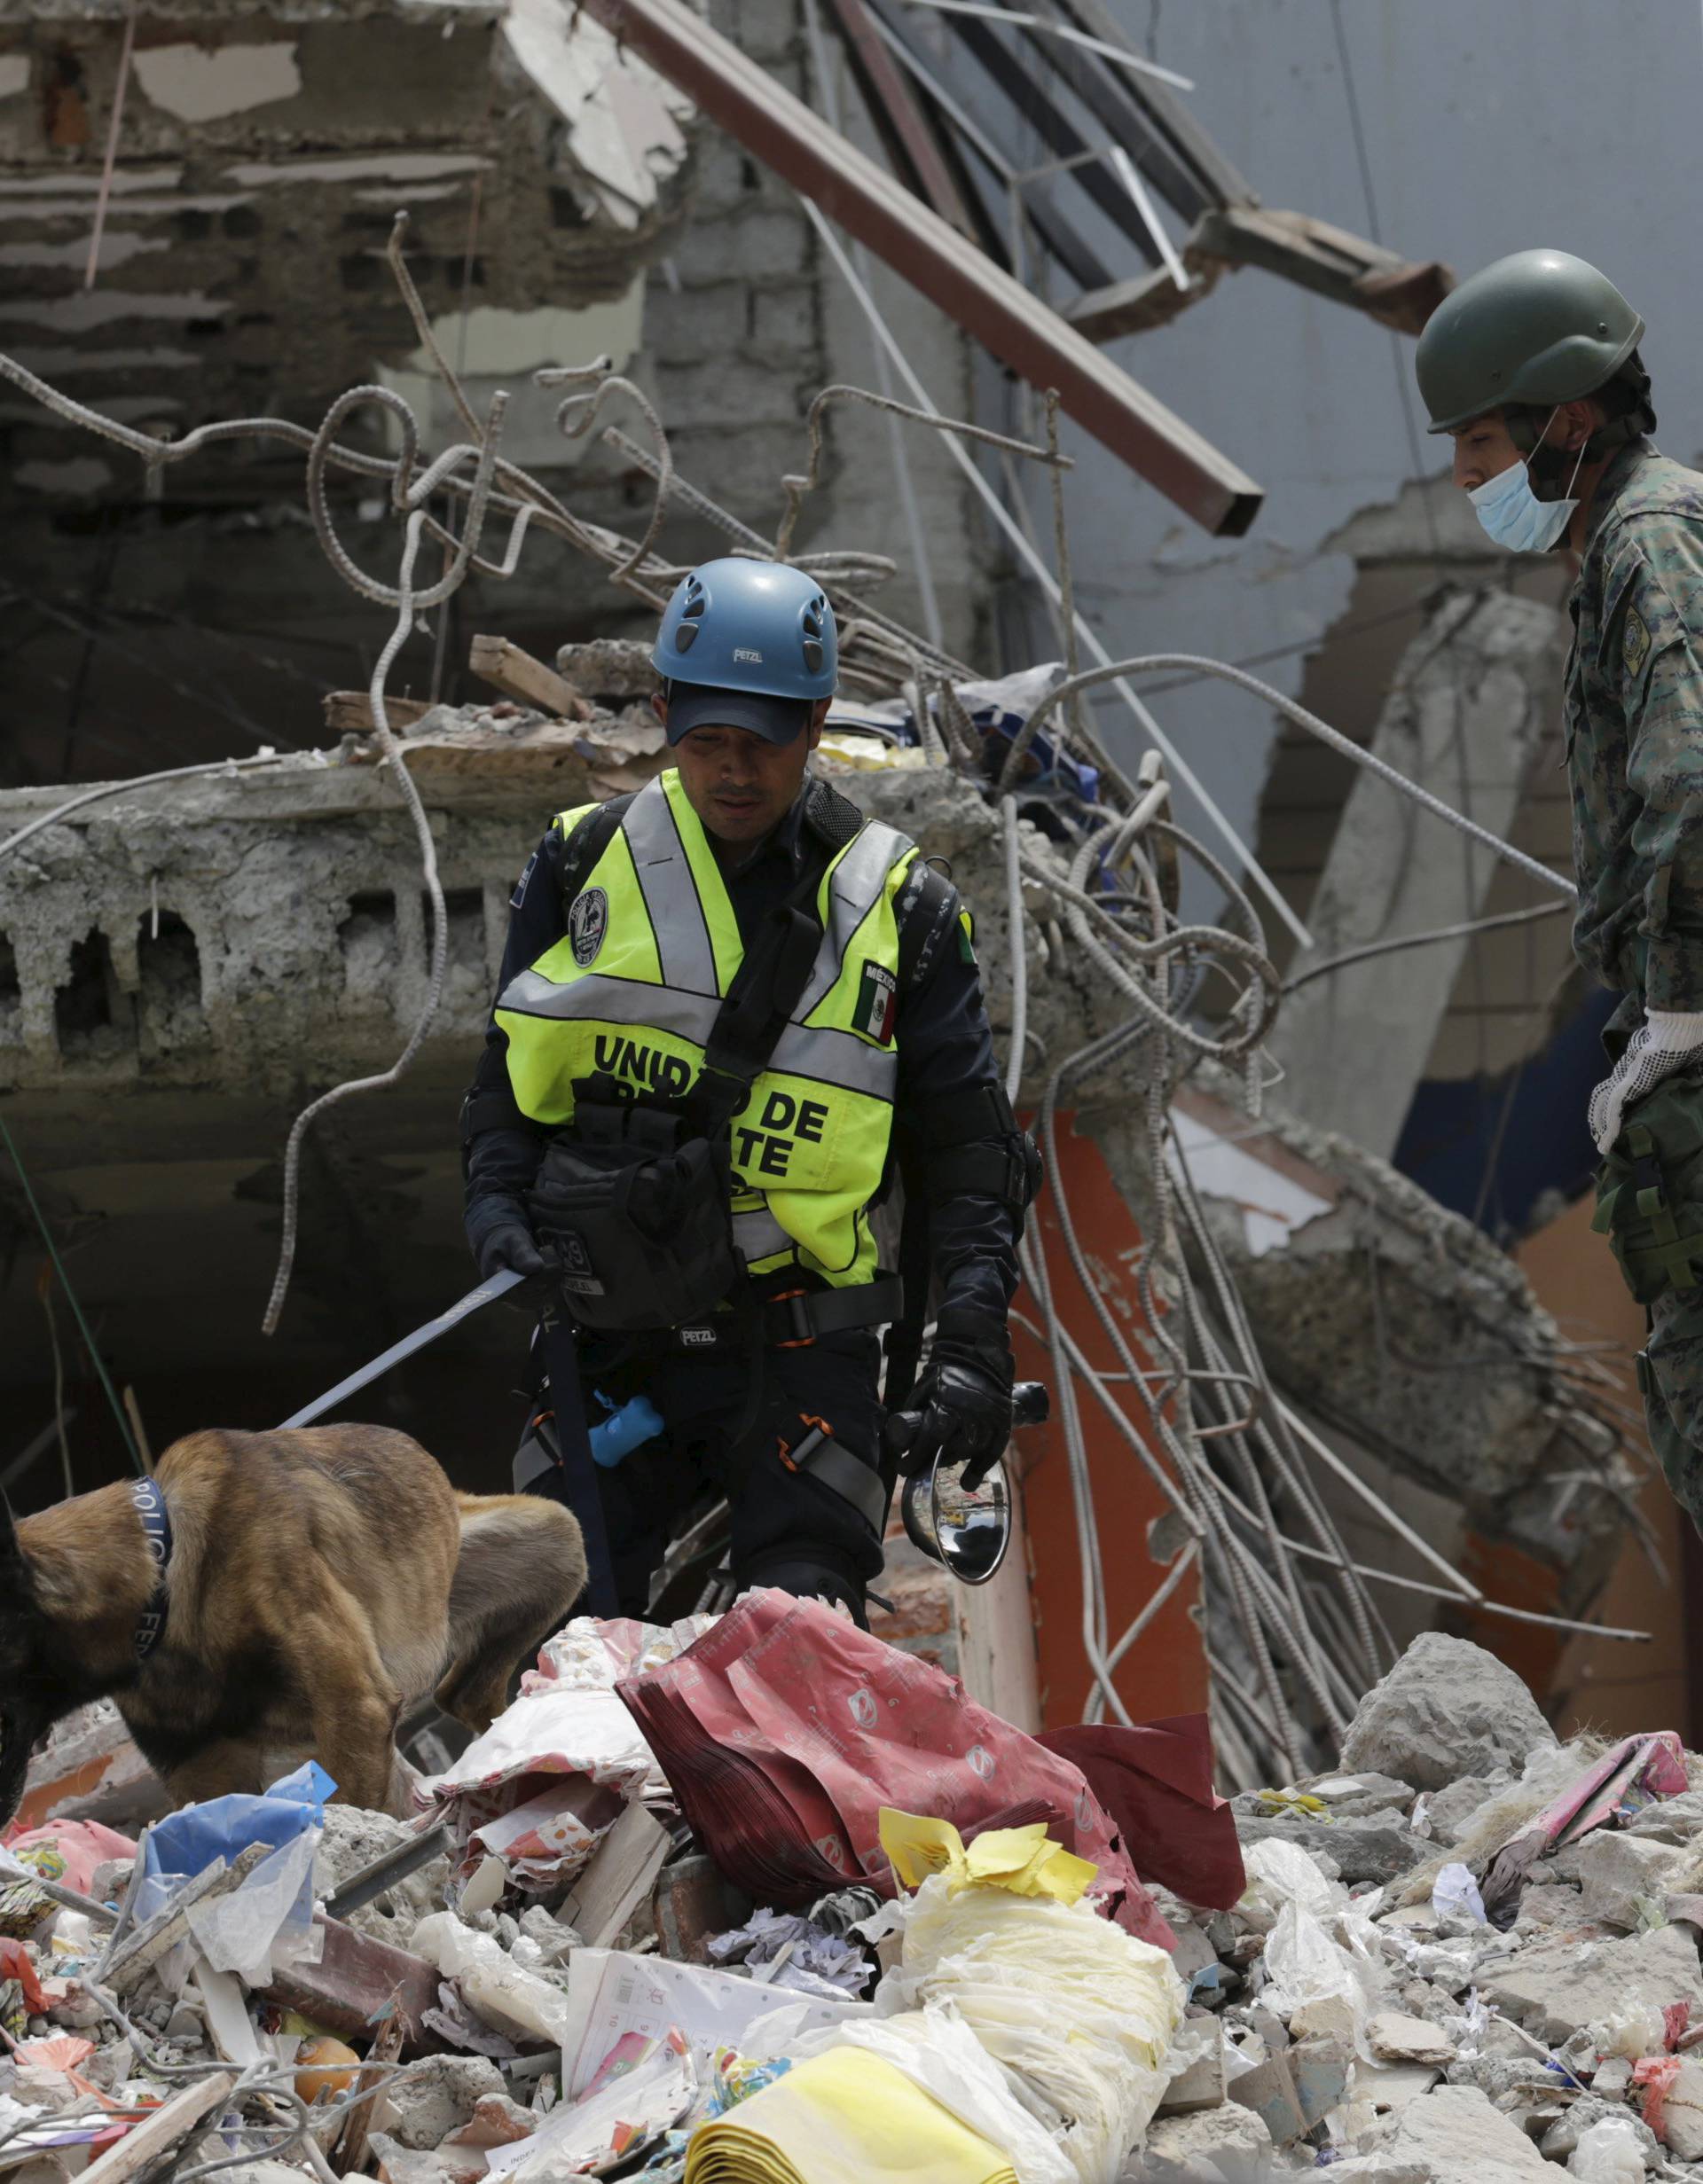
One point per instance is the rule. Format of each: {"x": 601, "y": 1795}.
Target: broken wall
{"x": 1319, "y": 403}
{"x": 264, "y": 154}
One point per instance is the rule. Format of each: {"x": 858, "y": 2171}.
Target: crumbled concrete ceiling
{"x": 263, "y": 156}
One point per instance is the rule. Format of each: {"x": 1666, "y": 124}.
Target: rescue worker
{"x": 727, "y": 1004}
{"x": 1533, "y": 367}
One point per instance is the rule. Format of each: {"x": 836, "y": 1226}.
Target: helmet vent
{"x": 685, "y": 635}
{"x": 813, "y": 655}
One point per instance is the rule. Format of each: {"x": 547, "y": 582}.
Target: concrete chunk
{"x": 1202, "y": 2085}
{"x": 438, "y": 2095}
{"x": 1396, "y": 2039}
{"x": 1559, "y": 1988}
{"x": 1374, "y": 1849}
{"x": 1454, "y": 2136}
{"x": 1228, "y": 2144}
{"x": 1447, "y": 1709}
{"x": 1290, "y": 2092}
{"x": 1671, "y": 1820}
{"x": 1449, "y": 1811}
{"x": 1616, "y": 1871}
{"x": 1683, "y": 2112}
{"x": 1330, "y": 2017}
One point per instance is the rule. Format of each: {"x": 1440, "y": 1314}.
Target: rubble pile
{"x": 1467, "y": 1955}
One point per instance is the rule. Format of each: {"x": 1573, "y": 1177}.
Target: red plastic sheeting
{"x": 1156, "y": 1782}
{"x": 785, "y": 1729}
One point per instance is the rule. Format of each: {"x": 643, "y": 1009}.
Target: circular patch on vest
{"x": 588, "y": 921}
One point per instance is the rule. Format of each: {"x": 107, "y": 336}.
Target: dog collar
{"x": 156, "y": 1531}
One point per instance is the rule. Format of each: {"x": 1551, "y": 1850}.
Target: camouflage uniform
{"x": 1634, "y": 717}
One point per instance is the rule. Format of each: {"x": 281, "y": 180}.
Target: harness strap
{"x": 804, "y": 1314}
{"x": 794, "y": 1319}
{"x": 156, "y": 1533}
{"x": 820, "y": 1456}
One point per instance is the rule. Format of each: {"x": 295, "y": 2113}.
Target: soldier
{"x": 1531, "y": 366}
{"x": 728, "y": 1002}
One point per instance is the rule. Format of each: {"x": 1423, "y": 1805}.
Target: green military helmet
{"x": 1540, "y": 327}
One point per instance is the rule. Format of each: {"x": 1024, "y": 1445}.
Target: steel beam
{"x": 1165, "y": 112}
{"x": 780, "y": 130}
{"x": 911, "y": 144}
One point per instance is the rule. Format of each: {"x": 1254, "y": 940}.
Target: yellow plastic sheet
{"x": 847, "y": 2118}
{"x": 1025, "y": 1861}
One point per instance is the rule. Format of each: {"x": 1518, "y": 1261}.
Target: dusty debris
{"x": 1454, "y": 2136}
{"x": 353, "y": 1840}
{"x": 1230, "y": 2142}
{"x": 439, "y": 2097}
{"x": 1384, "y": 2028}
{"x": 1447, "y": 1709}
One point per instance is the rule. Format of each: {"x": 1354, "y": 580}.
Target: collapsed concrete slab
{"x": 1446, "y": 1709}
{"x": 1402, "y": 1327}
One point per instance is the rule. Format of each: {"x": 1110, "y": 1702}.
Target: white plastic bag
{"x": 1455, "y": 1896}
{"x": 1608, "y": 2153}
{"x": 267, "y": 1921}
{"x": 937, "y": 2050}
{"x": 1078, "y": 2011}
{"x": 510, "y": 1998}
{"x": 1304, "y": 1965}
{"x": 1279, "y": 1874}
{"x": 1632, "y": 2031}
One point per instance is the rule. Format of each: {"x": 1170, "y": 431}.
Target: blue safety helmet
{"x": 746, "y": 645}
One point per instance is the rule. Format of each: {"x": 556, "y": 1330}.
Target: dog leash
{"x": 475, "y": 1300}
{"x": 578, "y": 1477}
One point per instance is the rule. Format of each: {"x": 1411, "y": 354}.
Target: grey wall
{"x": 1488, "y": 129}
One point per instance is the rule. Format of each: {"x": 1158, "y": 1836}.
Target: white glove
{"x": 1664, "y": 1042}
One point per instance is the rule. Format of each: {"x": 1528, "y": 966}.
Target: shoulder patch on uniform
{"x": 588, "y": 919}
{"x": 1635, "y": 645}
{"x": 877, "y": 1003}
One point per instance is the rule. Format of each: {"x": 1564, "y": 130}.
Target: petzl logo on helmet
{"x": 863, "y": 1708}
{"x": 742, "y": 652}
{"x": 587, "y": 922}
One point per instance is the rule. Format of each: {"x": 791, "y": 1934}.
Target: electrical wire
{"x": 1188, "y": 1396}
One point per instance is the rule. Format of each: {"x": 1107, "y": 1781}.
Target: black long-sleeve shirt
{"x": 941, "y": 1036}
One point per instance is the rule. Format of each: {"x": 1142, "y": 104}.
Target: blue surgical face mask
{"x": 1513, "y": 515}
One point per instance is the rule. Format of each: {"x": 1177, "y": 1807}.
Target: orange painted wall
{"x": 1603, "y": 1684}
{"x": 1165, "y": 1672}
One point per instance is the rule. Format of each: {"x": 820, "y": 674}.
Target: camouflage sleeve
{"x": 1655, "y": 631}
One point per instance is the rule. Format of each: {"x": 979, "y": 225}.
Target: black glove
{"x": 960, "y": 1406}
{"x": 501, "y": 1237}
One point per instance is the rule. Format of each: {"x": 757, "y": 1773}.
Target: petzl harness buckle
{"x": 795, "y": 1319}
{"x": 818, "y": 1456}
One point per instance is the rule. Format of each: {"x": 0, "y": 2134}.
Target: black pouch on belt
{"x": 636, "y": 1198}
{"x": 636, "y": 1207}
{"x": 1649, "y": 1191}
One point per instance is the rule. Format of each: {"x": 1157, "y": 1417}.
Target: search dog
{"x": 318, "y": 1584}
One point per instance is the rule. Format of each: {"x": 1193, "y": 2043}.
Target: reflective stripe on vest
{"x": 630, "y": 995}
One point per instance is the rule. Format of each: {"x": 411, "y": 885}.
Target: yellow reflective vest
{"x": 631, "y": 991}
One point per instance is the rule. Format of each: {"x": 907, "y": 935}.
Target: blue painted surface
{"x": 1452, "y": 1129}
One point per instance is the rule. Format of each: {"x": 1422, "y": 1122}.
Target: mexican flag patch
{"x": 877, "y": 1003}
